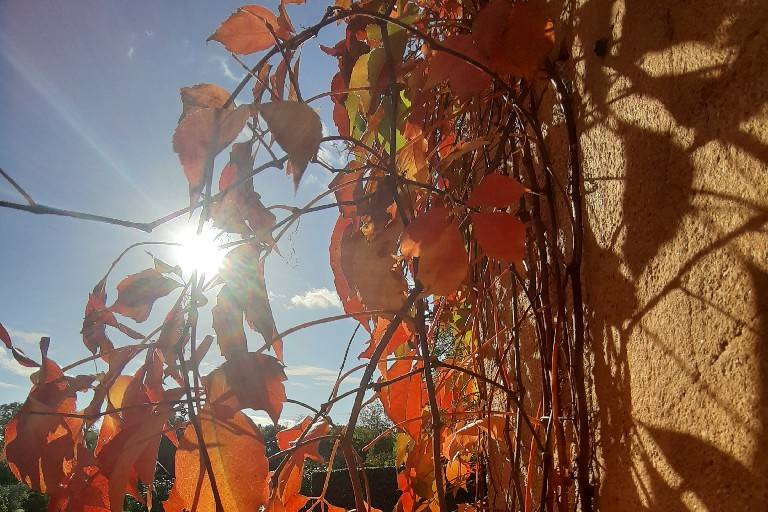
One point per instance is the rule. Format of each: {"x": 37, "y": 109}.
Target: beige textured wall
{"x": 674, "y": 134}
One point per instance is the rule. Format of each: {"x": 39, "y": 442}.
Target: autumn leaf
{"x": 515, "y": 38}
{"x": 243, "y": 272}
{"x": 137, "y": 293}
{"x": 369, "y": 268}
{"x": 203, "y": 96}
{"x": 404, "y": 400}
{"x": 17, "y": 353}
{"x": 228, "y": 324}
{"x": 496, "y": 191}
{"x": 245, "y": 31}
{"x": 298, "y": 130}
{"x": 434, "y": 238}
{"x": 241, "y": 210}
{"x": 500, "y": 235}
{"x": 401, "y": 336}
{"x": 201, "y": 135}
{"x": 236, "y": 452}
{"x": 40, "y": 444}
{"x": 465, "y": 79}
{"x": 287, "y": 438}
{"x": 250, "y": 380}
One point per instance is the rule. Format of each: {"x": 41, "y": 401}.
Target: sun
{"x": 199, "y": 252}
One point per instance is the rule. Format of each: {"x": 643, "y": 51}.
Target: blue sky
{"x": 89, "y": 95}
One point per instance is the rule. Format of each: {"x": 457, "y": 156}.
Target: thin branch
{"x": 18, "y": 188}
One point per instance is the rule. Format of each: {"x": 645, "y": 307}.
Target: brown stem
{"x": 437, "y": 423}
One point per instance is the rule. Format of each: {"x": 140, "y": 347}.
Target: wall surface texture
{"x": 673, "y": 113}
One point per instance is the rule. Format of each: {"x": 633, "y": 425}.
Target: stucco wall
{"x": 674, "y": 134}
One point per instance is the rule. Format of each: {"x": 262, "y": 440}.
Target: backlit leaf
{"x": 137, "y": 293}
{"x": 228, "y": 324}
{"x": 249, "y": 381}
{"x": 298, "y": 130}
{"x": 236, "y": 451}
{"x": 435, "y": 239}
{"x": 201, "y": 135}
{"x": 245, "y": 31}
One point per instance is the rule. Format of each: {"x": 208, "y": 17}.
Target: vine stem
{"x": 437, "y": 423}
{"x": 346, "y": 442}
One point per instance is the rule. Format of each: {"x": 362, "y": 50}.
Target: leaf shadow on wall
{"x": 707, "y": 106}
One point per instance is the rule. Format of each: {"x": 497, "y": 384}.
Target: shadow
{"x": 676, "y": 249}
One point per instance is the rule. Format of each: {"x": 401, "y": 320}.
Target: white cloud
{"x": 8, "y": 363}
{"x": 9, "y": 385}
{"x": 30, "y": 337}
{"x": 333, "y": 153}
{"x": 316, "y": 373}
{"x": 131, "y": 51}
{"x": 316, "y": 298}
{"x": 263, "y": 421}
{"x": 227, "y": 70}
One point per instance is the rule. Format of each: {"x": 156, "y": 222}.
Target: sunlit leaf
{"x": 435, "y": 239}
{"x": 497, "y": 191}
{"x": 298, "y": 130}
{"x": 235, "y": 448}
{"x": 245, "y": 31}
{"x": 201, "y": 135}
{"x": 249, "y": 381}
{"x": 137, "y": 293}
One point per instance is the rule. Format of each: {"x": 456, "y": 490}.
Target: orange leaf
{"x": 203, "y": 96}
{"x": 402, "y": 335}
{"x": 405, "y": 399}
{"x": 236, "y": 451}
{"x": 496, "y": 191}
{"x": 201, "y": 135}
{"x": 40, "y": 446}
{"x": 500, "y": 235}
{"x": 228, "y": 324}
{"x": 298, "y": 130}
{"x": 137, "y": 293}
{"x": 245, "y": 31}
{"x": 515, "y": 38}
{"x": 243, "y": 272}
{"x": 349, "y": 297}
{"x": 249, "y": 381}
{"x": 435, "y": 239}
{"x": 287, "y": 438}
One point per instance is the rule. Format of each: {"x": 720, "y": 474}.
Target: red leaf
{"x": 201, "y": 135}
{"x": 137, "y": 293}
{"x": 515, "y": 38}
{"x": 5, "y": 337}
{"x": 496, "y": 191}
{"x": 251, "y": 380}
{"x": 435, "y": 239}
{"x": 241, "y": 210}
{"x": 465, "y": 79}
{"x": 500, "y": 235}
{"x": 298, "y": 130}
{"x": 245, "y": 31}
